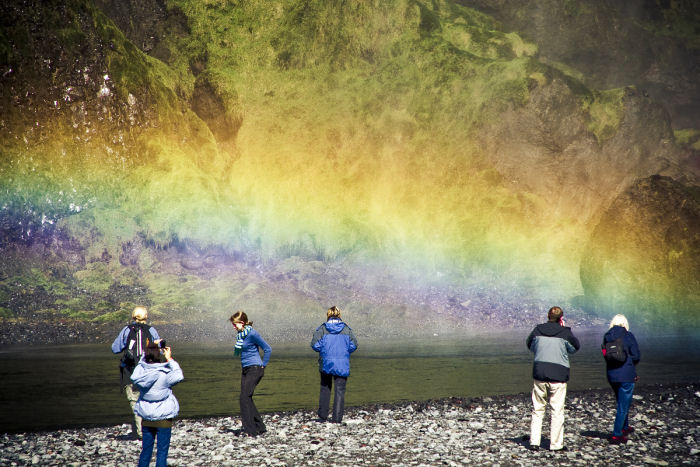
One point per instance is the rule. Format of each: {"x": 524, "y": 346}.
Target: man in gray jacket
{"x": 551, "y": 342}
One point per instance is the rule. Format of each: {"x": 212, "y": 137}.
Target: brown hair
{"x": 240, "y": 317}
{"x": 555, "y": 314}
{"x": 333, "y": 312}
{"x": 152, "y": 353}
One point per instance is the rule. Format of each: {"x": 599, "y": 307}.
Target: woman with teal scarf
{"x": 248, "y": 345}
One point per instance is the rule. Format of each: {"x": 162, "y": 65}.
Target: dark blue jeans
{"x": 324, "y": 399}
{"x": 623, "y": 396}
{"x": 149, "y": 435}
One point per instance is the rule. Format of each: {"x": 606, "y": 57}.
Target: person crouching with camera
{"x": 155, "y": 375}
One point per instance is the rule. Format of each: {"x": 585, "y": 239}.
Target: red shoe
{"x": 627, "y": 431}
{"x": 618, "y": 439}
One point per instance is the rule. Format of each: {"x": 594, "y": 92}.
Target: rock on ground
{"x": 456, "y": 431}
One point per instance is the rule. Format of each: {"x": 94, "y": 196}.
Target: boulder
{"x": 643, "y": 257}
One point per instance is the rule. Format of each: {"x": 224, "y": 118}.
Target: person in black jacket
{"x": 551, "y": 342}
{"x": 622, "y": 376}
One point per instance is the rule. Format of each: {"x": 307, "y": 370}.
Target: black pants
{"x": 250, "y": 417}
{"x": 338, "y": 398}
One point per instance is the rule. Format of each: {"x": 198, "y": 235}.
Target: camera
{"x": 162, "y": 344}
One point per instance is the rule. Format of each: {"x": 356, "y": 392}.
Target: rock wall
{"x": 70, "y": 81}
{"x": 643, "y": 257}
{"x": 650, "y": 44}
{"x": 90, "y": 85}
{"x": 547, "y": 147}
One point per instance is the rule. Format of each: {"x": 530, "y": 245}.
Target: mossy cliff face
{"x": 146, "y": 23}
{"x": 652, "y": 45}
{"x": 643, "y": 257}
{"x": 71, "y": 75}
{"x": 579, "y": 151}
{"x": 400, "y": 157}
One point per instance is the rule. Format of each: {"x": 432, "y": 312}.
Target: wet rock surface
{"x": 457, "y": 431}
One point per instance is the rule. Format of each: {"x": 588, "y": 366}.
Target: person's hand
{"x": 561, "y": 321}
{"x": 168, "y": 354}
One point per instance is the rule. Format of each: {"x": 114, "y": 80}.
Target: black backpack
{"x": 136, "y": 341}
{"x": 614, "y": 351}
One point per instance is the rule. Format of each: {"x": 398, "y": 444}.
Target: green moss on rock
{"x": 688, "y": 137}
{"x": 606, "y": 112}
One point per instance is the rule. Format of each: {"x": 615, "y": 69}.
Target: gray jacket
{"x": 552, "y": 343}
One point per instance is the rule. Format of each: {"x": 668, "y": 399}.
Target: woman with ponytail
{"x": 248, "y": 345}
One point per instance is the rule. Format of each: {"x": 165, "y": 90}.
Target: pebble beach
{"x": 456, "y": 431}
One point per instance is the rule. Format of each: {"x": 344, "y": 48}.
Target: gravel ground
{"x": 456, "y": 431}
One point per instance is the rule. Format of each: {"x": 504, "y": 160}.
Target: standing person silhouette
{"x": 622, "y": 376}
{"x": 248, "y": 345}
{"x": 334, "y": 342}
{"x": 157, "y": 405}
{"x": 551, "y": 342}
{"x": 132, "y": 341}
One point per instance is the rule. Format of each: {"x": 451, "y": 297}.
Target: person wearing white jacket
{"x": 156, "y": 405}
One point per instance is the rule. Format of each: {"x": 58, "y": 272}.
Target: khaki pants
{"x": 555, "y": 393}
{"x": 132, "y": 394}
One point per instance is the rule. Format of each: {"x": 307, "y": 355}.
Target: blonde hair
{"x": 333, "y": 312}
{"x": 620, "y": 320}
{"x": 240, "y": 317}
{"x": 139, "y": 314}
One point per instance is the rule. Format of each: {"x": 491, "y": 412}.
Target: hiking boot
{"x": 618, "y": 439}
{"x": 534, "y": 447}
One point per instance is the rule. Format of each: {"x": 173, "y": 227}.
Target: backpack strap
{"x": 136, "y": 342}
{"x": 139, "y": 335}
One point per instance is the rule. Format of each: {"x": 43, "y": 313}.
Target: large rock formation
{"x": 644, "y": 255}
{"x": 553, "y": 147}
{"x": 79, "y": 83}
{"x": 106, "y": 152}
{"x": 145, "y": 23}
{"x": 649, "y": 44}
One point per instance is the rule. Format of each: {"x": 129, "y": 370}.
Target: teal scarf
{"x": 239, "y": 339}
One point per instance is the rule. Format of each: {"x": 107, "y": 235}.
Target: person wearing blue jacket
{"x": 122, "y": 343}
{"x": 334, "y": 341}
{"x": 551, "y": 342}
{"x": 156, "y": 405}
{"x": 248, "y": 345}
{"x": 622, "y": 376}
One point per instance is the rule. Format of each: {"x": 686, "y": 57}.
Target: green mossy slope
{"x": 337, "y": 132}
